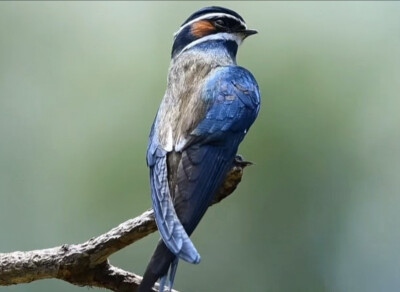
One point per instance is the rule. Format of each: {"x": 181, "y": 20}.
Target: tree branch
{"x": 86, "y": 264}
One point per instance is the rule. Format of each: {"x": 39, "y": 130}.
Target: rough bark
{"x": 86, "y": 264}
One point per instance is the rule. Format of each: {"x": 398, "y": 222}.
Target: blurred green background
{"x": 319, "y": 211}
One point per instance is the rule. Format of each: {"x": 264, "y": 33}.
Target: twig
{"x": 86, "y": 264}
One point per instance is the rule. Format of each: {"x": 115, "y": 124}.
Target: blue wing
{"x": 172, "y": 231}
{"x": 234, "y": 100}
{"x": 200, "y": 165}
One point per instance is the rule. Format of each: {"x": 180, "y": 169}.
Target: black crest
{"x": 212, "y": 9}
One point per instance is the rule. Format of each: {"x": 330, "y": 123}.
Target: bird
{"x": 208, "y": 107}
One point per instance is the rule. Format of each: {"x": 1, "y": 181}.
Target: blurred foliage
{"x": 80, "y": 83}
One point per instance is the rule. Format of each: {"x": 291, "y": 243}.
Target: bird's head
{"x": 211, "y": 24}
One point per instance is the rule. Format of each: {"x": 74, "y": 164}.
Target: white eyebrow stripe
{"x": 209, "y": 15}
{"x": 217, "y": 36}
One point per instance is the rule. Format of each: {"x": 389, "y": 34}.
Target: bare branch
{"x": 82, "y": 264}
{"x": 86, "y": 264}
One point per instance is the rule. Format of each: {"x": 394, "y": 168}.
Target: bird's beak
{"x": 248, "y": 32}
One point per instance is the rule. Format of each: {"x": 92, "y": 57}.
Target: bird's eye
{"x": 220, "y": 22}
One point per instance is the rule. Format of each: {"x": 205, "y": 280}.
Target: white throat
{"x": 236, "y": 37}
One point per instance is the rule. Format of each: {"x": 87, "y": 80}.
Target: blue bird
{"x": 208, "y": 107}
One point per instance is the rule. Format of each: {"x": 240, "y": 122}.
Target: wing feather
{"x": 171, "y": 230}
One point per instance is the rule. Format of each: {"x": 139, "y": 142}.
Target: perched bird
{"x": 207, "y": 109}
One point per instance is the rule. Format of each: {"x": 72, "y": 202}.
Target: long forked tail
{"x": 160, "y": 263}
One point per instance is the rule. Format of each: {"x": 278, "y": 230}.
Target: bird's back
{"x": 197, "y": 168}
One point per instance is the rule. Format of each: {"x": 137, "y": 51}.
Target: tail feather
{"x": 158, "y": 267}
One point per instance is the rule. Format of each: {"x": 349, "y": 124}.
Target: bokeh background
{"x": 80, "y": 83}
